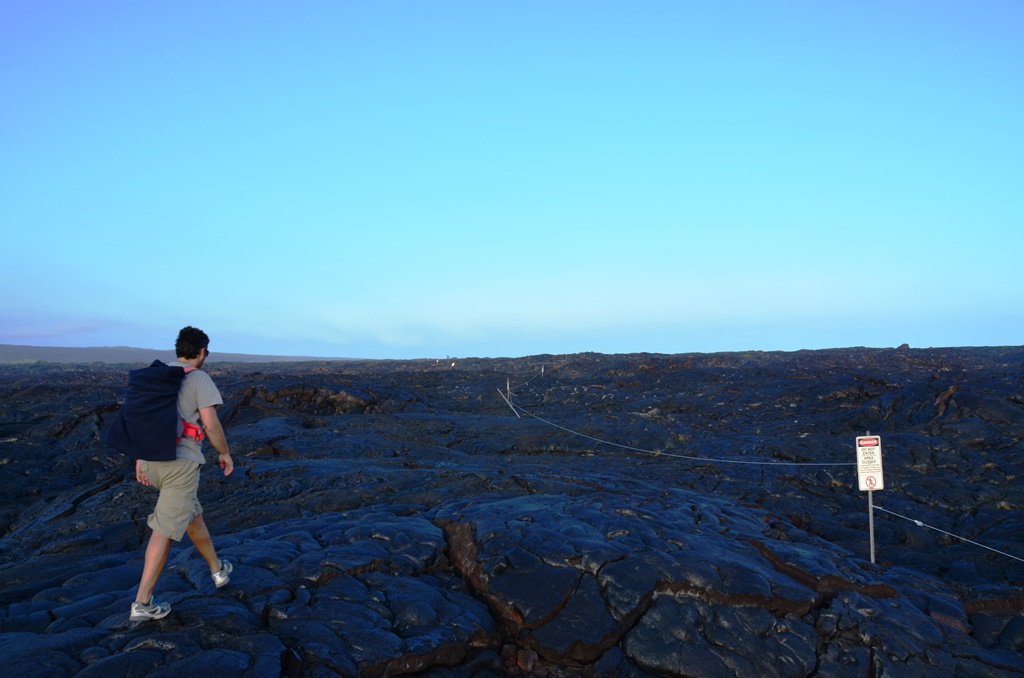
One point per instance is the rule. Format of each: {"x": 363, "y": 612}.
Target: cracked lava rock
{"x": 573, "y": 515}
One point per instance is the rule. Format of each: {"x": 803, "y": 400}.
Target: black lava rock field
{"x": 556, "y": 515}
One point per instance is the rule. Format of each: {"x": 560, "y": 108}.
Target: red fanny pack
{"x": 190, "y": 430}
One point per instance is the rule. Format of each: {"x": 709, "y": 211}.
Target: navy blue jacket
{"x": 146, "y": 426}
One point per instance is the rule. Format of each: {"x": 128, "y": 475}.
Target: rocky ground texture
{"x": 622, "y": 515}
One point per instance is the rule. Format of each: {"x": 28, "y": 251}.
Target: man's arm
{"x": 215, "y": 434}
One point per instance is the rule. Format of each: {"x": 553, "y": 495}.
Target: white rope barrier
{"x": 516, "y": 409}
{"x": 718, "y": 460}
{"x": 948, "y": 534}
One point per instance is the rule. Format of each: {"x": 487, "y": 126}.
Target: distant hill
{"x": 14, "y": 354}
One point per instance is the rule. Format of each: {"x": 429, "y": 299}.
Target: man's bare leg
{"x": 156, "y": 557}
{"x": 200, "y": 536}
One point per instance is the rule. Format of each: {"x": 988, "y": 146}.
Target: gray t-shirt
{"x": 197, "y": 391}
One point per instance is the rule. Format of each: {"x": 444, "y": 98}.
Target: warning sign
{"x": 869, "y": 463}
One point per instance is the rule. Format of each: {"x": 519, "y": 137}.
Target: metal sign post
{"x": 869, "y": 476}
{"x": 871, "y": 523}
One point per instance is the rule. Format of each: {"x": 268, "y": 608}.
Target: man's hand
{"x": 140, "y": 476}
{"x": 226, "y": 462}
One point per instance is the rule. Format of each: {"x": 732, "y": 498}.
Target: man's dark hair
{"x": 191, "y": 340}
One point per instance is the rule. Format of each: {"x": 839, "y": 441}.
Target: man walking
{"x": 178, "y": 510}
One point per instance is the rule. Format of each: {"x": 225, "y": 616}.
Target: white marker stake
{"x": 869, "y": 476}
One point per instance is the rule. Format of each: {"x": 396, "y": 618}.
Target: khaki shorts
{"x": 178, "y": 504}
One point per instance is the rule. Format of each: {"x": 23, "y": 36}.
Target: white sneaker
{"x": 154, "y": 610}
{"x": 222, "y": 577}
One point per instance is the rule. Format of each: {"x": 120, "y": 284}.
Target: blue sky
{"x": 423, "y": 179}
